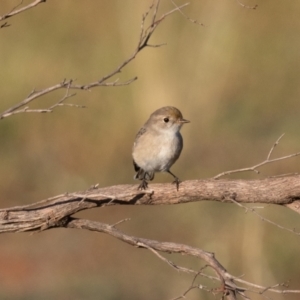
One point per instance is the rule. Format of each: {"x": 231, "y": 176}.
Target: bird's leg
{"x": 176, "y": 181}
{"x": 143, "y": 185}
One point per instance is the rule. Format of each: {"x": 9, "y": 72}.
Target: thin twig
{"x": 272, "y": 149}
{"x": 265, "y": 162}
{"x": 15, "y": 7}
{"x": 187, "y": 17}
{"x": 4, "y": 25}
{"x": 16, "y": 11}
{"x": 170, "y": 263}
{"x": 193, "y": 286}
{"x": 168, "y": 247}
{"x": 144, "y": 37}
{"x": 26, "y": 109}
{"x": 253, "y": 210}
{"x": 262, "y": 289}
{"x": 120, "y": 222}
{"x": 283, "y": 175}
{"x": 247, "y": 6}
{"x": 156, "y": 247}
{"x": 32, "y": 96}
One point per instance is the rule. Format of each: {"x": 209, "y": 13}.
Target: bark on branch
{"x": 57, "y": 212}
{"x": 228, "y": 288}
{"x": 146, "y": 33}
{"x": 50, "y": 212}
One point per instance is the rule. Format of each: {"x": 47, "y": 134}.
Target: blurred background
{"x": 236, "y": 79}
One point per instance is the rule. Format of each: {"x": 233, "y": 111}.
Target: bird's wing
{"x": 140, "y": 133}
{"x": 136, "y": 167}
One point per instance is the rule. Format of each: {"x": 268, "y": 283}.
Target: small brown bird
{"x": 158, "y": 145}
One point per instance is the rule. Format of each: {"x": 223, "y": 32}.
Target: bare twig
{"x": 253, "y": 210}
{"x": 4, "y": 25}
{"x": 156, "y": 246}
{"x": 144, "y": 37}
{"x": 272, "y": 149}
{"x": 32, "y": 96}
{"x": 265, "y": 162}
{"x": 170, "y": 263}
{"x": 187, "y": 17}
{"x": 247, "y": 6}
{"x": 259, "y": 289}
{"x": 283, "y": 175}
{"x": 120, "y": 222}
{"x": 15, "y": 7}
{"x": 66, "y": 96}
{"x": 14, "y": 11}
{"x": 57, "y": 212}
{"x": 230, "y": 289}
{"x": 179, "y": 268}
{"x": 193, "y": 286}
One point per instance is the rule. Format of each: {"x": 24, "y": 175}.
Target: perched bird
{"x": 158, "y": 145}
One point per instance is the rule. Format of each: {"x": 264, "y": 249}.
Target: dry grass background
{"x": 236, "y": 79}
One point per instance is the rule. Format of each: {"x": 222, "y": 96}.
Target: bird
{"x": 158, "y": 145}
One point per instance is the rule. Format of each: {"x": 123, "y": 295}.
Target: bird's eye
{"x": 166, "y": 120}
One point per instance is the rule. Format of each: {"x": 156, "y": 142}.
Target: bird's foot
{"x": 143, "y": 185}
{"x": 177, "y": 182}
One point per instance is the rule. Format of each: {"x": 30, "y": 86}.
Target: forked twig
{"x": 23, "y": 108}
{"x": 253, "y": 210}
{"x": 170, "y": 263}
{"x": 144, "y": 37}
{"x": 187, "y": 17}
{"x": 259, "y": 289}
{"x": 156, "y": 247}
{"x": 265, "y": 162}
{"x": 193, "y": 286}
{"x": 14, "y": 11}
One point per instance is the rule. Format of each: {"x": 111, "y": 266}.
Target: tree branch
{"x": 16, "y": 11}
{"x": 47, "y": 213}
{"x": 57, "y": 212}
{"x": 247, "y": 6}
{"x": 144, "y": 37}
{"x": 265, "y": 162}
{"x": 228, "y": 287}
{"x": 254, "y": 211}
{"x": 187, "y": 17}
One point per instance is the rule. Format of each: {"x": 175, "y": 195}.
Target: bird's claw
{"x": 143, "y": 185}
{"x": 177, "y": 182}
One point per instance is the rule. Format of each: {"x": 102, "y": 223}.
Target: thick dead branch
{"x": 48, "y": 213}
{"x": 57, "y": 212}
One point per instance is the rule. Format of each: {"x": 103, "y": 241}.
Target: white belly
{"x": 159, "y": 154}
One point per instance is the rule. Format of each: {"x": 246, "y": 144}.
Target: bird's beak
{"x": 184, "y": 121}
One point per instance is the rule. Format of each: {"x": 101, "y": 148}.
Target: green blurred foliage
{"x": 236, "y": 79}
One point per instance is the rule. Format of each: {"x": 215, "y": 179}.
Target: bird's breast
{"x": 157, "y": 152}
